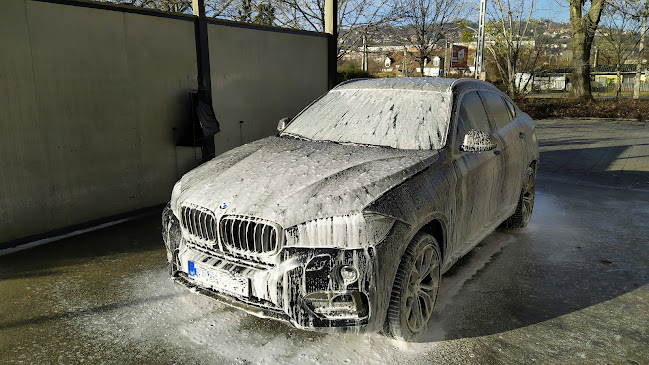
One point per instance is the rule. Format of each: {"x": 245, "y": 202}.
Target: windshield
{"x": 405, "y": 119}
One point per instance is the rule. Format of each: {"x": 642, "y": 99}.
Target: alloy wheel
{"x": 422, "y": 287}
{"x": 528, "y": 198}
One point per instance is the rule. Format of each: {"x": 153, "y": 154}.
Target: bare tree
{"x": 430, "y": 21}
{"x": 516, "y": 40}
{"x": 619, "y": 35}
{"x": 584, "y": 21}
{"x": 176, "y": 6}
{"x": 644, "y": 14}
{"x": 251, "y": 11}
{"x": 224, "y": 9}
{"x": 355, "y": 18}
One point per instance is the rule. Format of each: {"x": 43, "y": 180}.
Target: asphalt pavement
{"x": 604, "y": 152}
{"x": 571, "y": 288}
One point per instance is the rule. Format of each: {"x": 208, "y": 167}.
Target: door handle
{"x": 498, "y": 152}
{"x": 522, "y": 135}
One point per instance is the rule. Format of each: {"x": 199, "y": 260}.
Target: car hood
{"x": 291, "y": 181}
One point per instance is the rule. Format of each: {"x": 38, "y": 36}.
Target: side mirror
{"x": 478, "y": 141}
{"x": 283, "y": 123}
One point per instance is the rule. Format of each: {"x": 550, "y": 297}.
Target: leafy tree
{"x": 468, "y": 33}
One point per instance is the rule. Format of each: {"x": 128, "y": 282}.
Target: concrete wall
{"x": 259, "y": 77}
{"x": 89, "y": 98}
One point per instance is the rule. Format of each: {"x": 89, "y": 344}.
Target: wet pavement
{"x": 573, "y": 287}
{"x": 596, "y": 151}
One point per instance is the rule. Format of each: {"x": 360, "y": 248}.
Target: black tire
{"x": 523, "y": 213}
{"x": 415, "y": 289}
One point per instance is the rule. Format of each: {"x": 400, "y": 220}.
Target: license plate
{"x": 220, "y": 280}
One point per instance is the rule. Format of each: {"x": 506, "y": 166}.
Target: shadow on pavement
{"x": 84, "y": 311}
{"x": 583, "y": 247}
{"x": 129, "y": 237}
{"x": 616, "y": 166}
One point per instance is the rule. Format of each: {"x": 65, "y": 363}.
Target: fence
{"x": 611, "y": 88}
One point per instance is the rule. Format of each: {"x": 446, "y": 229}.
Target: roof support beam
{"x": 331, "y": 28}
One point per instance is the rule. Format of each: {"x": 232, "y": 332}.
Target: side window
{"x": 511, "y": 107}
{"x": 471, "y": 115}
{"x": 497, "y": 108}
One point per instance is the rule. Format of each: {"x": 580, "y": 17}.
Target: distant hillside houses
{"x": 398, "y": 35}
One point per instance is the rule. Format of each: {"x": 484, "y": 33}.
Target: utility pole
{"x": 595, "y": 58}
{"x": 639, "y": 66}
{"x": 447, "y": 59}
{"x": 365, "y": 65}
{"x": 405, "y": 65}
{"x": 479, "y": 63}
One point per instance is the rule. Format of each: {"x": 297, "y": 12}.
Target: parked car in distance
{"x": 348, "y": 218}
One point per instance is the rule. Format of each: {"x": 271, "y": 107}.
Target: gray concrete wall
{"x": 259, "y": 77}
{"x": 89, "y": 98}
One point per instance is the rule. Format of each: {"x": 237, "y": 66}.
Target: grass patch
{"x": 566, "y": 108}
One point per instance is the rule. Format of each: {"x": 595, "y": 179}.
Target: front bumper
{"x": 304, "y": 287}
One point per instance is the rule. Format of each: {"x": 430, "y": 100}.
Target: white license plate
{"x": 220, "y": 280}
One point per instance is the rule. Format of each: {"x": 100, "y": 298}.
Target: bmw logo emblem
{"x": 223, "y": 205}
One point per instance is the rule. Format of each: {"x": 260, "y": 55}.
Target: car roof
{"x": 434, "y": 84}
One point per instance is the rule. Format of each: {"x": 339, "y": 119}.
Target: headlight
{"x": 352, "y": 231}
{"x": 349, "y": 274}
{"x": 175, "y": 194}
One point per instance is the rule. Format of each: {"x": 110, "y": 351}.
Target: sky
{"x": 556, "y": 10}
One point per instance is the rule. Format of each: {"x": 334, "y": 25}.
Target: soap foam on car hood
{"x": 290, "y": 181}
